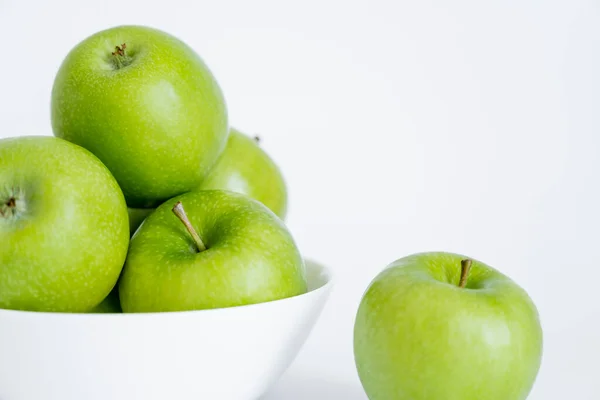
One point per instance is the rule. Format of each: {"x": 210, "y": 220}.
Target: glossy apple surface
{"x": 63, "y": 224}
{"x": 243, "y": 254}
{"x": 147, "y": 105}
{"x": 420, "y": 336}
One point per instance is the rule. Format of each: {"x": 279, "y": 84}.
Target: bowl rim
{"x": 325, "y": 273}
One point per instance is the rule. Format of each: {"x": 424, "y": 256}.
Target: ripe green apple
{"x": 244, "y": 167}
{"x": 145, "y": 104}
{"x": 63, "y": 224}
{"x": 227, "y": 250}
{"x": 442, "y": 326}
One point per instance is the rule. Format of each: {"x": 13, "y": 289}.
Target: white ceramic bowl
{"x": 226, "y": 354}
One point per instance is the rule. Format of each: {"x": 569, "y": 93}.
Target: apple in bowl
{"x": 63, "y": 222}
{"x": 210, "y": 298}
{"x": 226, "y": 250}
{"x": 147, "y": 105}
{"x": 242, "y": 300}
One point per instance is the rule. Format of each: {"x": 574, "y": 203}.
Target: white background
{"x": 401, "y": 126}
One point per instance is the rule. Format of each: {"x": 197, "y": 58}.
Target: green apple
{"x": 443, "y": 326}
{"x": 136, "y": 217}
{"x": 110, "y": 305}
{"x": 227, "y": 250}
{"x": 244, "y": 167}
{"x": 147, "y": 105}
{"x": 63, "y": 224}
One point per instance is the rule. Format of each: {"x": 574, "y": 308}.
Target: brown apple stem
{"x": 8, "y": 208}
{"x": 465, "y": 268}
{"x": 180, "y": 212}
{"x": 120, "y": 58}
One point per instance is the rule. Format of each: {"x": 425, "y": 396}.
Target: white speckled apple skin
{"x": 250, "y": 258}
{"x": 64, "y": 248}
{"x": 158, "y": 124}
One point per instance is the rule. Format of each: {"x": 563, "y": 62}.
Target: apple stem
{"x": 257, "y": 139}
{"x": 180, "y": 212}
{"x": 120, "y": 58}
{"x": 465, "y": 268}
{"x": 8, "y": 208}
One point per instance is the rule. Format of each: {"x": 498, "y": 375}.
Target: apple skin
{"x": 419, "y": 336}
{"x": 244, "y": 167}
{"x": 65, "y": 241}
{"x": 158, "y": 124}
{"x": 251, "y": 257}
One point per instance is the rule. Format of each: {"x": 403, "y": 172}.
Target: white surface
{"x": 465, "y": 126}
{"x": 230, "y": 354}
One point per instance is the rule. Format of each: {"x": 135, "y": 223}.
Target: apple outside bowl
{"x": 234, "y": 353}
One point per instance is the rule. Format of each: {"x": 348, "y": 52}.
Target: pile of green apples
{"x": 146, "y": 200}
